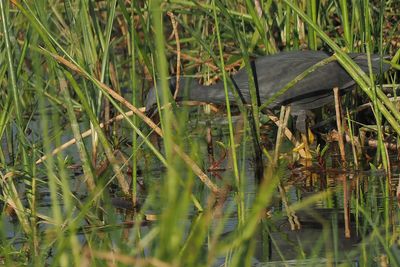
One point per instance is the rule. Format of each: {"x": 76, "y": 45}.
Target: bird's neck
{"x": 191, "y": 90}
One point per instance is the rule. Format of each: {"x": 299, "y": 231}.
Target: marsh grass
{"x": 69, "y": 66}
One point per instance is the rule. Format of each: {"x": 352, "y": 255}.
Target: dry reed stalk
{"x": 339, "y": 125}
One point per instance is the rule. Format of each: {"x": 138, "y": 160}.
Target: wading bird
{"x": 271, "y": 74}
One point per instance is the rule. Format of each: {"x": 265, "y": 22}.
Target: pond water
{"x": 332, "y": 229}
{"x": 341, "y": 215}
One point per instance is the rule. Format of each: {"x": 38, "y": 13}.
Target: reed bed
{"x": 75, "y": 139}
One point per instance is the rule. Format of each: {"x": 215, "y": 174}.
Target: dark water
{"x": 315, "y": 234}
{"x": 312, "y": 235}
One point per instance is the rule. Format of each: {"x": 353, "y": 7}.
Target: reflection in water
{"x": 319, "y": 215}
{"x": 328, "y": 230}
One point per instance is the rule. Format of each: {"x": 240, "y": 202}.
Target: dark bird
{"x": 274, "y": 72}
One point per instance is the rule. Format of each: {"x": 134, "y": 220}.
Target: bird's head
{"x": 156, "y": 91}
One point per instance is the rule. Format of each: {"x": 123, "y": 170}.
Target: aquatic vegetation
{"x": 88, "y": 178}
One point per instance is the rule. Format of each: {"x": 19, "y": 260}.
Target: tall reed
{"x": 70, "y": 66}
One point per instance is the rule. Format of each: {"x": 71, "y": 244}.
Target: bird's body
{"x": 272, "y": 73}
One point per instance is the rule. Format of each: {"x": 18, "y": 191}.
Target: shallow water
{"x": 314, "y": 234}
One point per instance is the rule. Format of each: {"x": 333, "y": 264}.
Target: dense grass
{"x": 69, "y": 66}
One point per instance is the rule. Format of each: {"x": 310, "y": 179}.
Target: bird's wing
{"x": 275, "y": 72}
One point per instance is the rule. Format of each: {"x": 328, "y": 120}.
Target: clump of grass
{"x": 73, "y": 65}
